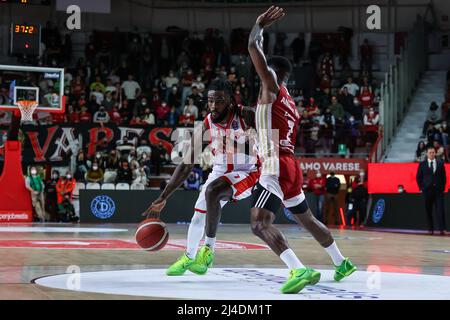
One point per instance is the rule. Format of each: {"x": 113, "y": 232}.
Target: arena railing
{"x": 400, "y": 81}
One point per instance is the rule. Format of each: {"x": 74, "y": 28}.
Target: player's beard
{"x": 219, "y": 117}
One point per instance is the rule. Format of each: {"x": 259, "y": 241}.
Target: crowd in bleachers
{"x": 436, "y": 131}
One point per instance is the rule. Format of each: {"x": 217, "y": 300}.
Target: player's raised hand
{"x": 155, "y": 209}
{"x": 270, "y": 16}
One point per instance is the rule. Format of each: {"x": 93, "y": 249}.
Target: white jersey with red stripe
{"x": 229, "y": 145}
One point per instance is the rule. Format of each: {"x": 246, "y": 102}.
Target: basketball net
{"x": 27, "y": 108}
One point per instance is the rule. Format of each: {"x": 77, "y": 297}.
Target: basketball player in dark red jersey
{"x": 280, "y": 182}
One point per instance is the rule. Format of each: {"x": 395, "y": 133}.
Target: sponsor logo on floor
{"x": 116, "y": 244}
{"x": 252, "y": 284}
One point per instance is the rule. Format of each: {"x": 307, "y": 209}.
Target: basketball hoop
{"x": 27, "y": 108}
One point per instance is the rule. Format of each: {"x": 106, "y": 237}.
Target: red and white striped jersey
{"x": 230, "y": 145}
{"x": 276, "y": 124}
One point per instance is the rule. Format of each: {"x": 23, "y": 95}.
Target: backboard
{"x": 44, "y": 85}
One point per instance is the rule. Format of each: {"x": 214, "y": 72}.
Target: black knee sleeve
{"x": 262, "y": 198}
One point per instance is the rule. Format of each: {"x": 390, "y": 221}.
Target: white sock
{"x": 210, "y": 242}
{"x": 335, "y": 254}
{"x": 195, "y": 234}
{"x": 290, "y": 259}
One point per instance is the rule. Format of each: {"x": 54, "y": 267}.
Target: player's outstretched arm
{"x": 255, "y": 47}
{"x": 180, "y": 174}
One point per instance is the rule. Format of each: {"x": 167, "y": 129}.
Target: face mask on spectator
{"x": 69, "y": 176}
{"x": 144, "y": 102}
{"x": 33, "y": 172}
{"x": 98, "y": 155}
{"x": 400, "y": 190}
{"x": 319, "y": 175}
{"x": 95, "y": 168}
{"x": 144, "y": 156}
{"x": 55, "y": 176}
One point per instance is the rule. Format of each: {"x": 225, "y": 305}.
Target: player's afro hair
{"x": 280, "y": 63}
{"x": 222, "y": 85}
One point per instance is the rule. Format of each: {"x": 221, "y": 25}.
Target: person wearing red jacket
{"x": 64, "y": 189}
{"x": 366, "y": 97}
{"x": 161, "y": 112}
{"x": 318, "y": 188}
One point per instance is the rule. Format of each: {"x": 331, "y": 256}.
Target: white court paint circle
{"x": 59, "y": 230}
{"x": 253, "y": 284}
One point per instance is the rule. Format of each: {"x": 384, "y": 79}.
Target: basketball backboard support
{"x": 44, "y": 85}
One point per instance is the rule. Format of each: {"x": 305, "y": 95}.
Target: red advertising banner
{"x": 386, "y": 177}
{"x": 336, "y": 165}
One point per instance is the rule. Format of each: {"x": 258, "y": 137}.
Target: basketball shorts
{"x": 286, "y": 188}
{"x": 241, "y": 182}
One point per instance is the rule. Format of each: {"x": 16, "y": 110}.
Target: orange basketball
{"x": 152, "y": 234}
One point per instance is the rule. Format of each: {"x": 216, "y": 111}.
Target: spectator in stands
{"x": 352, "y": 133}
{"x": 161, "y": 113}
{"x": 432, "y": 134}
{"x": 124, "y": 173}
{"x": 371, "y": 121}
{"x": 337, "y": 109}
{"x": 192, "y": 182}
{"x": 101, "y": 116}
{"x": 371, "y": 118}
{"x": 144, "y": 162}
{"x": 110, "y": 87}
{"x": 64, "y": 188}
{"x": 125, "y": 112}
{"x": 445, "y": 133}
{"x": 66, "y": 212}
{"x": 433, "y": 117}
{"x": 78, "y": 87}
{"x": 401, "y": 189}
{"x": 95, "y": 174}
{"x": 191, "y": 109}
{"x": 346, "y": 99}
{"x": 327, "y": 65}
{"x": 327, "y": 123}
{"x": 35, "y": 185}
{"x": 312, "y": 139}
{"x": 366, "y": 56}
{"x": 186, "y": 82}
{"x": 148, "y": 117}
{"x": 333, "y": 185}
{"x": 421, "y": 152}
{"x": 174, "y": 98}
{"x": 109, "y": 102}
{"x": 313, "y": 110}
{"x": 132, "y": 90}
{"x": 171, "y": 80}
{"x": 366, "y": 97}
{"x": 352, "y": 87}
{"x": 139, "y": 177}
{"x": 318, "y": 188}
{"x": 112, "y": 161}
{"x": 85, "y": 115}
{"x": 51, "y": 204}
{"x": 143, "y": 147}
{"x": 140, "y": 106}
{"x": 440, "y": 152}
{"x": 82, "y": 164}
{"x": 125, "y": 146}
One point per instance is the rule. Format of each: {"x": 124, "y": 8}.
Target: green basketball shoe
{"x": 180, "y": 266}
{"x": 300, "y": 278}
{"x": 203, "y": 261}
{"x": 344, "y": 270}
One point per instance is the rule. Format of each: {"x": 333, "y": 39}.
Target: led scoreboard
{"x": 25, "y": 39}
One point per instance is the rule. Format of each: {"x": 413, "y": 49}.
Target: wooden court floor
{"x": 391, "y": 252}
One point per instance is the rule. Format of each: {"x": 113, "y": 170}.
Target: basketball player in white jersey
{"x": 232, "y": 178}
